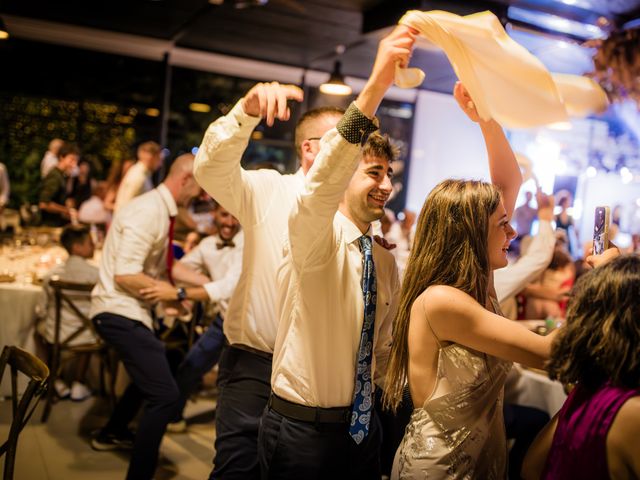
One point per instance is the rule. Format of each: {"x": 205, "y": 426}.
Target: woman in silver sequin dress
{"x": 450, "y": 343}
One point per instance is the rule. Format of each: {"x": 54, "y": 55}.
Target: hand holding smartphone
{"x": 601, "y": 230}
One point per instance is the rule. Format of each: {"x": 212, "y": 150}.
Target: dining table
{"x": 22, "y": 298}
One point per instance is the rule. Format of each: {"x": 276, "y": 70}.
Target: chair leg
{"x": 51, "y": 388}
{"x": 48, "y": 400}
{"x": 10, "y": 460}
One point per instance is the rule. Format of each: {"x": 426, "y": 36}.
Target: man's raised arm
{"x": 311, "y": 219}
{"x": 217, "y": 165}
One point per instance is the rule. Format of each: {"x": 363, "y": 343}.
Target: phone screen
{"x": 601, "y": 230}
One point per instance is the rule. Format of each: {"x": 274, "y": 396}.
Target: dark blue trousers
{"x": 244, "y": 380}
{"x": 146, "y": 363}
{"x": 201, "y": 358}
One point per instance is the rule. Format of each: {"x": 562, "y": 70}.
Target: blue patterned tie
{"x": 362, "y": 395}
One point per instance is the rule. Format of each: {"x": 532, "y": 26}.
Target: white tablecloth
{"x": 533, "y": 389}
{"x": 21, "y": 301}
{"x": 19, "y": 305}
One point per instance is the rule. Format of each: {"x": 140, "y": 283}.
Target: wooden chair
{"x": 63, "y": 294}
{"x": 181, "y": 334}
{"x": 21, "y": 361}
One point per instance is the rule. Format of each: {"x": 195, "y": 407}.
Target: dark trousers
{"x": 393, "y": 427}
{"x": 244, "y": 380}
{"x": 201, "y": 358}
{"x": 523, "y": 425}
{"x": 146, "y": 363}
{"x": 293, "y": 449}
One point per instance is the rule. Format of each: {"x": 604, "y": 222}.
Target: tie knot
{"x": 365, "y": 243}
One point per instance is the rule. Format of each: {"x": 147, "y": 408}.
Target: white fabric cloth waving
{"x": 505, "y": 81}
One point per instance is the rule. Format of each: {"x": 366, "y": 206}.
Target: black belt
{"x": 303, "y": 413}
{"x": 255, "y": 351}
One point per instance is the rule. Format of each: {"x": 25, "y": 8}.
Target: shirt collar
{"x": 168, "y": 199}
{"x": 350, "y": 231}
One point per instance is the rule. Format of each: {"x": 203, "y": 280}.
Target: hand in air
{"x": 605, "y": 257}
{"x": 394, "y": 49}
{"x": 465, "y": 102}
{"x": 545, "y": 205}
{"x": 269, "y": 101}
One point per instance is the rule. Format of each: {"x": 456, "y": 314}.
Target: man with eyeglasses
{"x": 261, "y": 200}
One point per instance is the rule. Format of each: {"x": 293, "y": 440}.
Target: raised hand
{"x": 465, "y": 102}
{"x": 545, "y": 205}
{"x": 269, "y": 101}
{"x": 605, "y": 257}
{"x": 394, "y": 49}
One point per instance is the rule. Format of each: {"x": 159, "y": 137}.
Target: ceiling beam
{"x": 155, "y": 49}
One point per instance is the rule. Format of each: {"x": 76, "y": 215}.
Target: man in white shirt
{"x": 5, "y": 187}
{"x": 219, "y": 257}
{"x": 50, "y": 158}
{"x": 137, "y": 180}
{"x": 337, "y": 293}
{"x": 261, "y": 200}
{"x": 135, "y": 253}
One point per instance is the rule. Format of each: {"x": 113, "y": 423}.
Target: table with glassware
{"x": 23, "y": 263}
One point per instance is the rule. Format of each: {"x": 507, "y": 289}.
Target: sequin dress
{"x": 459, "y": 431}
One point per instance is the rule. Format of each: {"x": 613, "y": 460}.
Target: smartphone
{"x": 601, "y": 230}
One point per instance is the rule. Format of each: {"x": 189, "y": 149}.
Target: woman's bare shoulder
{"x": 437, "y": 297}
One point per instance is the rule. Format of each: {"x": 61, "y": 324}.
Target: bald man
{"x": 135, "y": 254}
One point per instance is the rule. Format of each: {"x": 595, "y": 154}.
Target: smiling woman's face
{"x": 500, "y": 235}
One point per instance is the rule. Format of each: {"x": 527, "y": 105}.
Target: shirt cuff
{"x": 243, "y": 120}
{"x": 355, "y": 127}
{"x": 213, "y": 291}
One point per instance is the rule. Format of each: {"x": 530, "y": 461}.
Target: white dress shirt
{"x": 49, "y": 161}
{"x": 222, "y": 266}
{"x": 511, "y": 279}
{"x": 78, "y": 270}
{"x": 136, "y": 243}
{"x": 261, "y": 201}
{"x": 320, "y": 290}
{"x": 5, "y": 185}
{"x": 136, "y": 181}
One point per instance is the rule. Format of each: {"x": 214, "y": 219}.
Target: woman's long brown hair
{"x": 450, "y": 248}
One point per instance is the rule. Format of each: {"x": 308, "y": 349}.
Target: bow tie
{"x": 225, "y": 243}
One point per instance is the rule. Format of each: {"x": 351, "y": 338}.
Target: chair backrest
{"x": 63, "y": 293}
{"x": 21, "y": 361}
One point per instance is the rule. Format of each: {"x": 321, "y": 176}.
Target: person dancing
{"x": 450, "y": 342}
